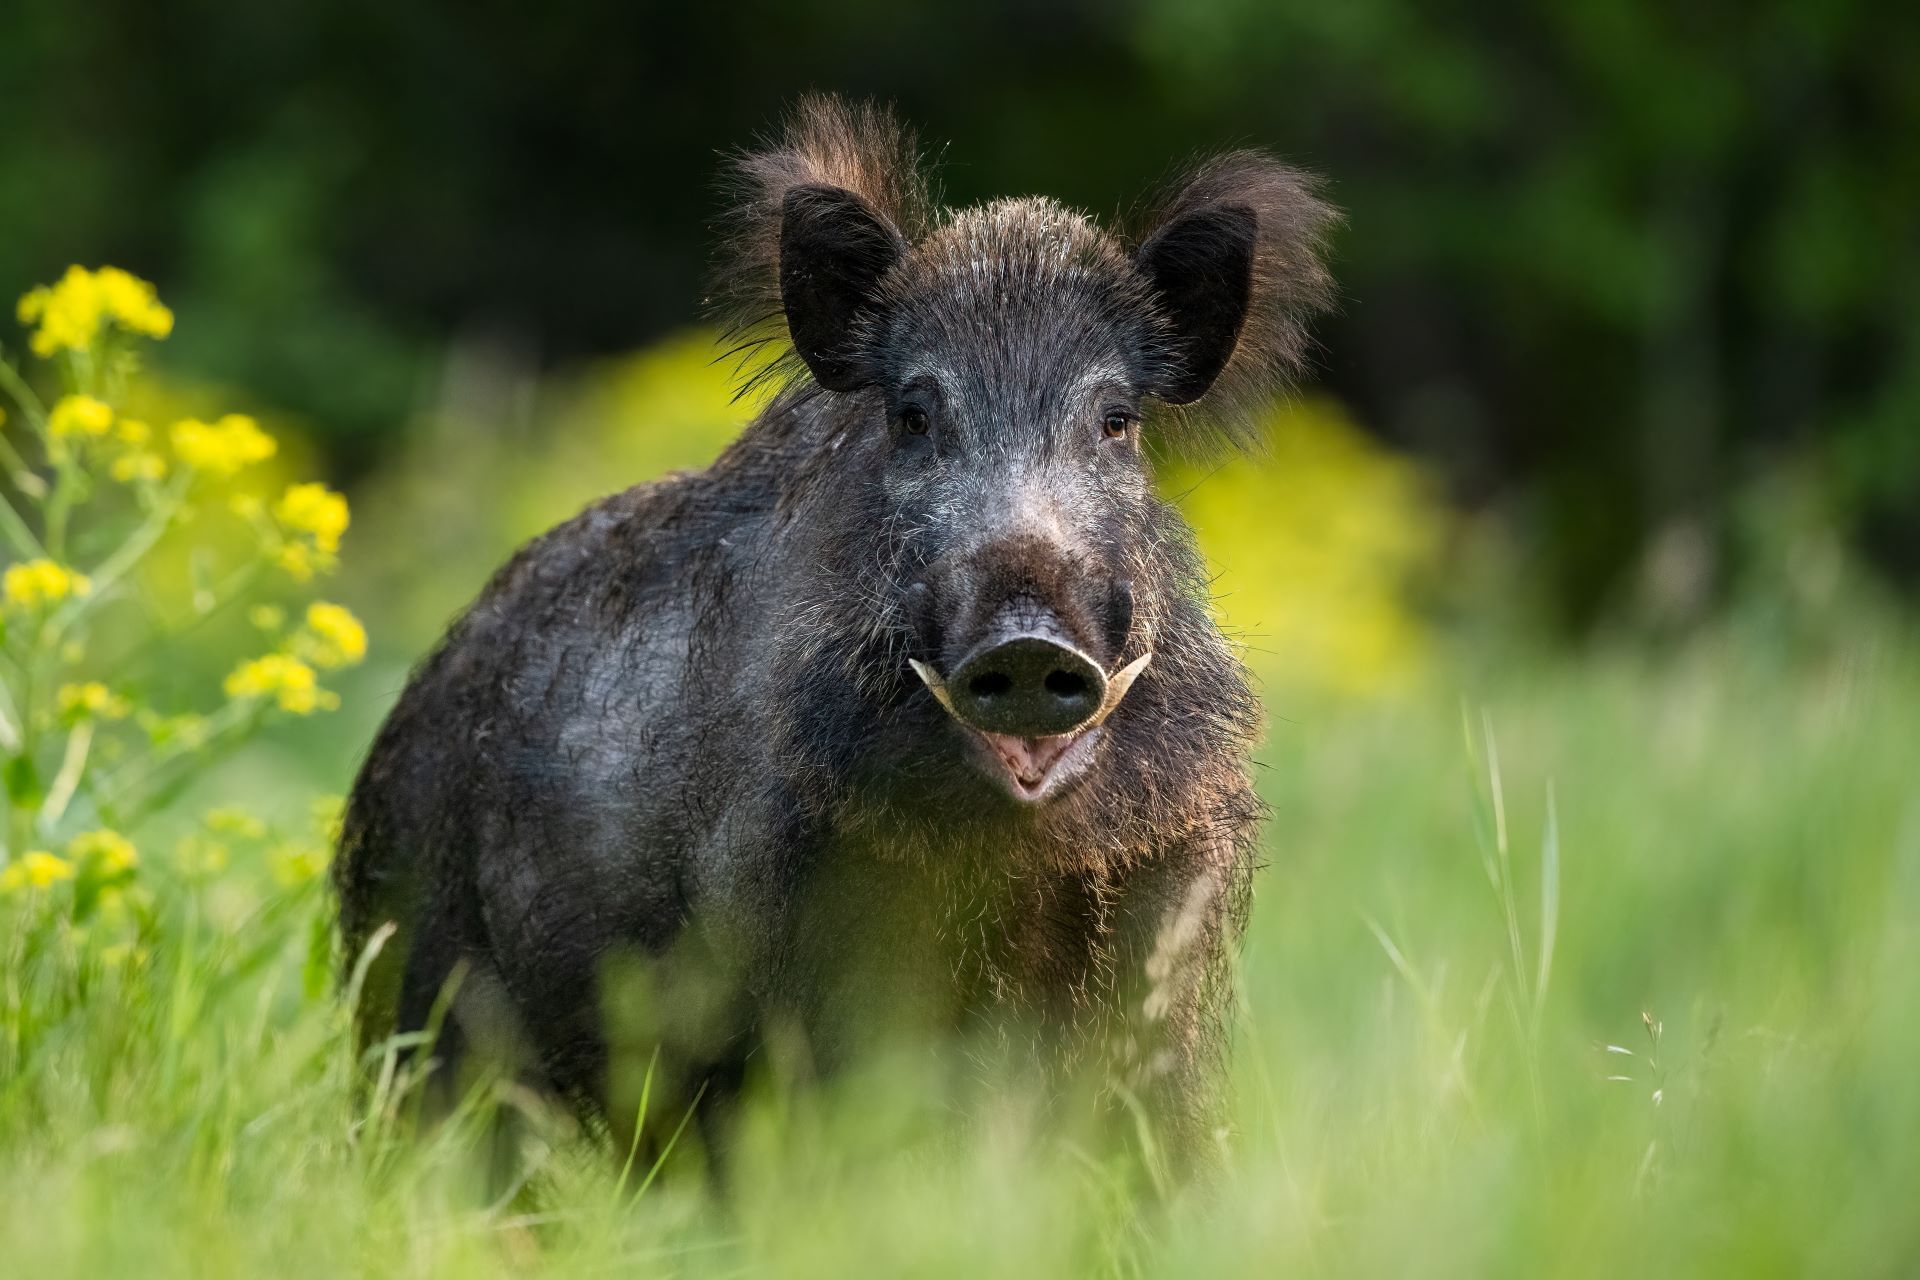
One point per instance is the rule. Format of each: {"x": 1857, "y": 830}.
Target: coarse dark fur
{"x": 670, "y": 786}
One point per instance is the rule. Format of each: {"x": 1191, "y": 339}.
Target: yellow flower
{"x": 317, "y": 512}
{"x": 79, "y": 416}
{"x": 187, "y": 732}
{"x": 342, "y": 641}
{"x": 314, "y": 509}
{"x": 103, "y": 852}
{"x": 69, "y": 314}
{"x": 138, "y": 462}
{"x": 235, "y": 821}
{"x": 197, "y": 856}
{"x": 133, "y": 302}
{"x": 327, "y": 812}
{"x": 142, "y": 464}
{"x": 38, "y": 870}
{"x": 267, "y": 617}
{"x": 293, "y": 865}
{"x": 42, "y": 582}
{"x": 297, "y": 559}
{"x": 286, "y": 679}
{"x": 224, "y": 447}
{"x": 92, "y": 699}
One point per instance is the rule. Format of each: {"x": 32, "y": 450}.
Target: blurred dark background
{"x": 1608, "y": 263}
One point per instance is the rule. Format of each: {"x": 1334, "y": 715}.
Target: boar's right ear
{"x": 819, "y": 214}
{"x": 835, "y": 249}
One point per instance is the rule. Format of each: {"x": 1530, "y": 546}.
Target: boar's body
{"x": 666, "y": 730}
{"x": 834, "y": 742}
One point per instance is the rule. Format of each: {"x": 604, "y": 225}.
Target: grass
{"x": 1626, "y": 982}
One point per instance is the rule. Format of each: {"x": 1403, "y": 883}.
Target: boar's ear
{"x": 819, "y": 212}
{"x": 835, "y": 249}
{"x": 1201, "y": 268}
{"x": 1233, "y": 265}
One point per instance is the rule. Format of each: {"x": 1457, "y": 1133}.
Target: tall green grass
{"x": 1624, "y": 979}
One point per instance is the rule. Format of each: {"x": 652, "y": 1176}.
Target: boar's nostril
{"x": 990, "y": 685}
{"x": 1065, "y": 684}
{"x": 1029, "y": 685}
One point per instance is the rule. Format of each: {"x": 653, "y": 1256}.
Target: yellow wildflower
{"x": 142, "y": 464}
{"x": 187, "y": 732}
{"x": 297, "y": 559}
{"x": 138, "y": 462}
{"x": 79, "y": 416}
{"x": 327, "y": 812}
{"x": 104, "y": 852}
{"x": 224, "y": 447}
{"x": 68, "y": 315}
{"x": 42, "y": 582}
{"x": 286, "y": 679}
{"x": 92, "y": 699}
{"x": 236, "y": 821}
{"x": 38, "y": 870}
{"x": 133, "y": 302}
{"x": 293, "y": 865}
{"x": 267, "y": 617}
{"x": 341, "y": 640}
{"x": 314, "y": 509}
{"x": 198, "y": 857}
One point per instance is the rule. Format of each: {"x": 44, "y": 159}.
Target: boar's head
{"x": 994, "y": 370}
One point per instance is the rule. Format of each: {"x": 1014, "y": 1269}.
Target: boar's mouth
{"x": 1033, "y": 767}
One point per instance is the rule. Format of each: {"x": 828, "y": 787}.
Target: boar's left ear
{"x": 1201, "y": 267}
{"x": 1234, "y": 268}
{"x": 835, "y": 249}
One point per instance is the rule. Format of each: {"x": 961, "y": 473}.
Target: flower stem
{"x": 16, "y": 386}
{"x": 18, "y": 533}
{"x": 124, "y": 558}
{"x": 72, "y": 765}
{"x": 123, "y": 799}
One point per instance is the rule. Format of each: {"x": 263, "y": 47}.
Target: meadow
{"x": 1579, "y": 959}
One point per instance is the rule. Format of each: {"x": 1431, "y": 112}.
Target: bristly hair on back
{"x": 1290, "y": 284}
{"x": 861, "y": 147}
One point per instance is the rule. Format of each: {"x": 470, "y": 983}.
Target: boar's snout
{"x": 1027, "y": 682}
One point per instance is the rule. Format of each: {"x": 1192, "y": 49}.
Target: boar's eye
{"x": 1115, "y": 424}
{"x": 913, "y": 420}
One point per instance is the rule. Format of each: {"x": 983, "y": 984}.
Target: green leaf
{"x": 316, "y": 974}
{"x": 24, "y": 788}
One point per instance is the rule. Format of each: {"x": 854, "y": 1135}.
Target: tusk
{"x": 935, "y": 685}
{"x": 1117, "y": 685}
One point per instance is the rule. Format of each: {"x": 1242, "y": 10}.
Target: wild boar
{"x": 906, "y": 715}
